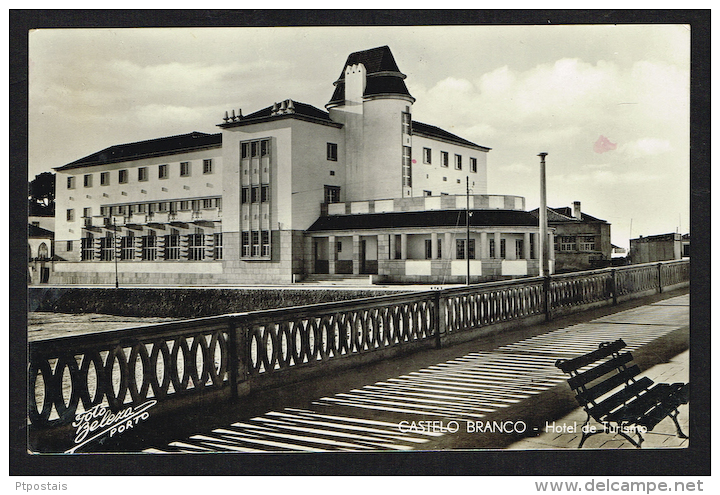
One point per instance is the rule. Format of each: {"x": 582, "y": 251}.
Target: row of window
{"x": 161, "y": 206}
{"x": 255, "y": 243}
{"x": 254, "y": 149}
{"x": 123, "y": 175}
{"x": 575, "y": 243}
{"x": 255, "y": 194}
{"x": 462, "y": 247}
{"x": 191, "y": 247}
{"x": 445, "y": 160}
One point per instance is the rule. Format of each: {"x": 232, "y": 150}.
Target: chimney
{"x": 577, "y": 214}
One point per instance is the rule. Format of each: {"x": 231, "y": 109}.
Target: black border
{"x": 694, "y": 460}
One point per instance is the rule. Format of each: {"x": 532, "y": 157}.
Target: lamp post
{"x": 115, "y": 254}
{"x": 543, "y": 218}
{"x": 467, "y": 228}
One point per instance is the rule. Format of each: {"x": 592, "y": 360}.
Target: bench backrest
{"x": 595, "y": 383}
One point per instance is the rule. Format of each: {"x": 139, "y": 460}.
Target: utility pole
{"x": 543, "y": 218}
{"x": 467, "y": 228}
{"x": 114, "y": 252}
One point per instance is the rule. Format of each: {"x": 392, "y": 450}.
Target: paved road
{"x": 445, "y": 405}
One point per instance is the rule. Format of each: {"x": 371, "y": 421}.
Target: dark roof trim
{"x": 171, "y": 145}
{"x": 433, "y": 132}
{"x": 427, "y": 219}
{"x": 35, "y": 232}
{"x": 259, "y": 120}
{"x": 565, "y": 215}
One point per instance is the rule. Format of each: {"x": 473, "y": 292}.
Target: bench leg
{"x": 637, "y": 444}
{"x": 677, "y": 425}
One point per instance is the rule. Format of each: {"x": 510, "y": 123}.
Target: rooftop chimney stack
{"x": 577, "y": 214}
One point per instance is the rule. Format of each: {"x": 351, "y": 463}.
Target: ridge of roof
{"x": 300, "y": 109}
{"x": 167, "y": 145}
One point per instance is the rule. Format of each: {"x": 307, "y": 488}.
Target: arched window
{"x": 43, "y": 252}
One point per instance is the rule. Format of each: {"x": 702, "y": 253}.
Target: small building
{"x": 40, "y": 254}
{"x": 582, "y": 241}
{"x": 662, "y": 247}
{"x": 686, "y": 246}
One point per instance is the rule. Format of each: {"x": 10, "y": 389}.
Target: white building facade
{"x": 292, "y": 192}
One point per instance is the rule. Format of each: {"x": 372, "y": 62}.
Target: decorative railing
{"x": 234, "y": 353}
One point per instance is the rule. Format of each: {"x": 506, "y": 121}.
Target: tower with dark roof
{"x": 373, "y": 103}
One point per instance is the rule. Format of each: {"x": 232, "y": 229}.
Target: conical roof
{"x": 383, "y": 75}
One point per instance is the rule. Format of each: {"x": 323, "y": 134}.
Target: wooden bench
{"x": 611, "y": 394}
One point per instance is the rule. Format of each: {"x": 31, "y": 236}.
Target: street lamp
{"x": 114, "y": 253}
{"x": 543, "y": 218}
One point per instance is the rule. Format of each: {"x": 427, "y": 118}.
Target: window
{"x": 254, "y": 148}
{"x": 195, "y": 205}
{"x": 332, "y": 152}
{"x": 184, "y": 169}
{"x": 265, "y": 234}
{"x": 68, "y": 245}
{"x": 148, "y": 244}
{"x": 245, "y": 150}
{"x": 407, "y": 166}
{"x": 427, "y": 193}
{"x": 502, "y": 248}
{"x": 245, "y": 195}
{"x": 122, "y": 176}
{"x": 332, "y": 194}
{"x": 162, "y": 172}
{"x": 458, "y": 162}
{"x": 264, "y": 194}
{"x": 338, "y": 246}
{"x": 87, "y": 180}
{"x": 255, "y": 194}
{"x": 141, "y": 208}
{"x": 567, "y": 243}
{"x": 444, "y": 159}
{"x": 439, "y": 248}
{"x": 87, "y": 248}
{"x": 264, "y": 147}
{"x": 519, "y": 248}
{"x": 207, "y": 203}
{"x": 217, "y": 246}
{"x": 207, "y": 166}
{"x": 491, "y": 246}
{"x": 587, "y": 243}
{"x": 87, "y": 212}
{"x": 71, "y": 182}
{"x": 196, "y": 245}
{"x": 473, "y": 165}
{"x": 184, "y": 205}
{"x": 70, "y": 215}
{"x": 406, "y": 123}
{"x": 532, "y": 247}
{"x": 172, "y": 245}
{"x": 460, "y": 249}
{"x": 163, "y": 206}
{"x": 107, "y": 247}
{"x": 245, "y": 238}
{"x": 427, "y": 156}
{"x": 255, "y": 236}
{"x": 142, "y": 174}
{"x": 398, "y": 246}
{"x": 127, "y": 247}
{"x": 428, "y": 249}
{"x": 104, "y": 178}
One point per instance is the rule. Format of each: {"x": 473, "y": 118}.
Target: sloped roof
{"x": 35, "y": 232}
{"x": 432, "y": 218}
{"x": 301, "y": 111}
{"x": 565, "y": 215}
{"x": 144, "y": 149}
{"x": 383, "y": 75}
{"x": 435, "y": 132}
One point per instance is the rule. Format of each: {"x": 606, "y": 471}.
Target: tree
{"x": 41, "y": 194}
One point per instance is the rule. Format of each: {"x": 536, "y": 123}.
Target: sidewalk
{"x": 662, "y": 436}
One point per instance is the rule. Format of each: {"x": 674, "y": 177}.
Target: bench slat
{"x": 574, "y": 364}
{"x": 606, "y": 386}
{"x": 599, "y": 370}
{"x": 614, "y": 401}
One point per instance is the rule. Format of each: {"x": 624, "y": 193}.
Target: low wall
{"x": 182, "y": 303}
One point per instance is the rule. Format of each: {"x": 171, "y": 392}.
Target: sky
{"x": 608, "y": 103}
